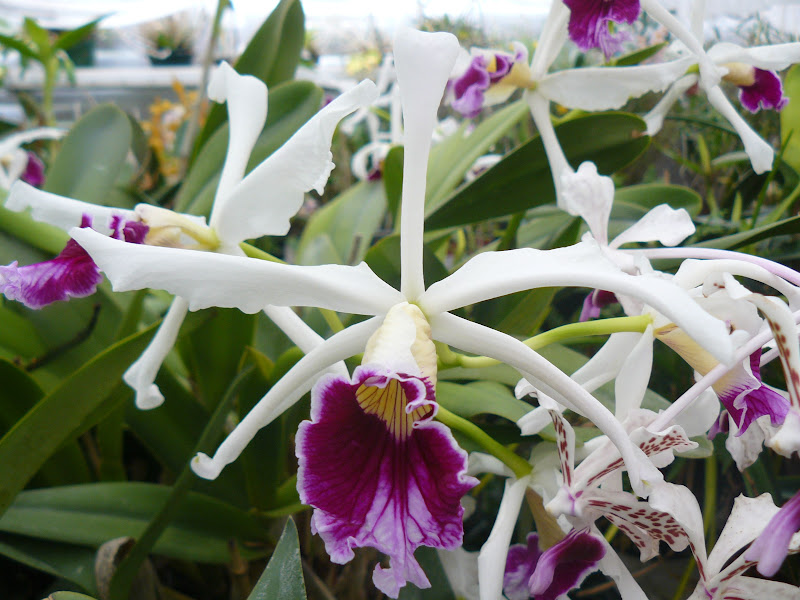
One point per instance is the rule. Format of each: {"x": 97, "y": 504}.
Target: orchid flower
{"x": 423, "y": 63}
{"x": 240, "y": 210}
{"x": 753, "y": 70}
{"x": 589, "y": 23}
{"x": 17, "y": 163}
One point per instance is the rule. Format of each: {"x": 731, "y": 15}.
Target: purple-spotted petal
{"x": 772, "y": 546}
{"x": 565, "y": 565}
{"x": 380, "y": 473}
{"x": 589, "y": 22}
{"x": 520, "y": 564}
{"x": 34, "y": 171}
{"x": 766, "y": 92}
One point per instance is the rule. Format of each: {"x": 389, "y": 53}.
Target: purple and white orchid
{"x": 590, "y": 20}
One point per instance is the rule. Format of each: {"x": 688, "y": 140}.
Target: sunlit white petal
{"x": 662, "y": 224}
{"x": 775, "y": 57}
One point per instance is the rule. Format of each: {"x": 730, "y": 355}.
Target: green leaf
{"x": 69, "y": 38}
{"x": 481, "y": 397}
{"x": 341, "y": 232}
{"x": 790, "y": 118}
{"x": 638, "y": 56}
{"x": 91, "y": 156}
{"x": 790, "y": 226}
{"x": 290, "y": 106}
{"x": 39, "y": 36}
{"x": 61, "y": 415}
{"x": 18, "y": 335}
{"x": 272, "y": 56}
{"x": 522, "y": 180}
{"x": 91, "y": 514}
{"x": 633, "y": 202}
{"x": 440, "y": 588}
{"x": 393, "y": 180}
{"x": 20, "y": 46}
{"x": 384, "y": 259}
{"x": 283, "y": 577}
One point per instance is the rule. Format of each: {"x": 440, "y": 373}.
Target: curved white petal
{"x": 141, "y": 375}
{"x": 209, "y": 279}
{"x": 606, "y": 362}
{"x": 540, "y": 111}
{"x": 772, "y": 58}
{"x": 655, "y": 118}
{"x": 752, "y": 588}
{"x": 60, "y": 211}
{"x": 492, "y": 558}
{"x": 480, "y": 463}
{"x": 604, "y": 88}
{"x": 701, "y": 415}
{"x": 680, "y": 502}
{"x": 631, "y": 383}
{"x": 759, "y": 151}
{"x": 264, "y": 201}
{"x": 552, "y": 39}
{"x": 494, "y": 274}
{"x": 662, "y": 224}
{"x": 476, "y": 338}
{"x": 13, "y": 141}
{"x": 747, "y": 520}
{"x": 423, "y": 62}
{"x": 288, "y": 390}
{"x": 612, "y": 565}
{"x": 589, "y": 195}
{"x": 246, "y": 97}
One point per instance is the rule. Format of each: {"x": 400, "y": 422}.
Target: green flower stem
{"x": 330, "y": 316}
{"x": 710, "y": 502}
{"x": 519, "y": 465}
{"x": 449, "y": 358}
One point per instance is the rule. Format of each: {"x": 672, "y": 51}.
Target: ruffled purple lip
{"x": 71, "y": 274}
{"x": 468, "y": 89}
{"x": 766, "y": 92}
{"x": 380, "y": 473}
{"x": 550, "y": 574}
{"x": 590, "y": 19}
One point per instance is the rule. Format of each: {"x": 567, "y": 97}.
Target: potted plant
{"x": 170, "y": 41}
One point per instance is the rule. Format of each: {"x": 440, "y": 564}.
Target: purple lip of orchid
{"x": 766, "y": 92}
{"x": 550, "y": 574}
{"x": 772, "y": 546}
{"x": 469, "y": 88}
{"x": 589, "y": 22}
{"x": 34, "y": 171}
{"x": 380, "y": 473}
{"x": 71, "y": 274}
{"x": 594, "y": 302}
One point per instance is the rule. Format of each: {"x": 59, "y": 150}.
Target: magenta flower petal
{"x": 745, "y": 406}
{"x": 380, "y": 473}
{"x": 566, "y": 565}
{"x": 468, "y": 89}
{"x": 589, "y": 22}
{"x": 520, "y": 564}
{"x": 772, "y": 546}
{"x": 34, "y": 171}
{"x": 766, "y": 92}
{"x": 594, "y": 303}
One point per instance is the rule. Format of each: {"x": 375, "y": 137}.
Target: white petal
{"x": 246, "y": 97}
{"x": 771, "y": 58}
{"x": 662, "y": 224}
{"x": 604, "y": 88}
{"x": 209, "y": 279}
{"x": 288, "y": 390}
{"x": 655, "y": 118}
{"x": 606, "y": 362}
{"x": 679, "y": 502}
{"x": 746, "y": 448}
{"x": 423, "y": 62}
{"x": 540, "y": 111}
{"x": 13, "y": 141}
{"x": 747, "y": 520}
{"x": 461, "y": 569}
{"x": 492, "y": 558}
{"x": 534, "y": 421}
{"x": 751, "y": 588}
{"x": 480, "y": 463}
{"x": 701, "y": 415}
{"x": 612, "y": 565}
{"x": 476, "y": 338}
{"x": 141, "y": 375}
{"x": 494, "y": 274}
{"x": 60, "y": 211}
{"x": 589, "y": 195}
{"x": 273, "y": 192}
{"x": 552, "y": 39}
{"x": 631, "y": 384}
{"x": 759, "y": 151}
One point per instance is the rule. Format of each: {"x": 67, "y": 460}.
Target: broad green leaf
{"x": 341, "y": 232}
{"x": 91, "y": 514}
{"x": 272, "y": 56}
{"x": 61, "y": 415}
{"x": 638, "y": 56}
{"x": 790, "y": 226}
{"x": 283, "y": 577}
{"x": 522, "y": 180}
{"x": 18, "y": 335}
{"x": 632, "y": 202}
{"x": 290, "y": 106}
{"x": 790, "y": 118}
{"x": 452, "y": 157}
{"x": 91, "y": 156}
{"x": 393, "y": 180}
{"x": 39, "y": 36}
{"x": 481, "y": 397}
{"x": 384, "y": 259}
{"x": 69, "y": 562}
{"x": 19, "y": 46}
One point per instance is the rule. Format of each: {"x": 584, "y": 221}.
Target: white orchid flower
{"x": 16, "y": 163}
{"x": 245, "y": 206}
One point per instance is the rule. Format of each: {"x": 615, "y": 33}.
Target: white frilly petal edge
{"x": 208, "y": 279}
{"x": 288, "y": 390}
{"x": 604, "y": 88}
{"x": 246, "y": 98}
{"x": 141, "y": 375}
{"x": 492, "y": 557}
{"x": 662, "y": 224}
{"x": 771, "y": 58}
{"x": 494, "y": 274}
{"x": 264, "y": 201}
{"x": 60, "y": 211}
